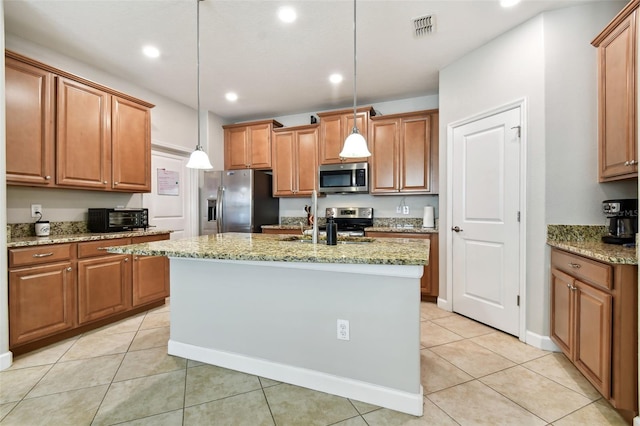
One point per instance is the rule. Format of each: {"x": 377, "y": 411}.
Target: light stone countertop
{"x": 414, "y": 230}
{"x": 77, "y": 238}
{"x": 283, "y": 248}
{"x": 610, "y": 253}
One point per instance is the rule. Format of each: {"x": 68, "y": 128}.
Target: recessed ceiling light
{"x": 508, "y": 3}
{"x": 151, "y": 51}
{"x": 287, "y": 14}
{"x": 231, "y": 97}
{"x": 335, "y": 78}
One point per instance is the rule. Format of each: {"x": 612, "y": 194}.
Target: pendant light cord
{"x": 199, "y": 147}
{"x": 355, "y": 127}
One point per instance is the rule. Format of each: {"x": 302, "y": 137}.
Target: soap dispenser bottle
{"x": 332, "y": 232}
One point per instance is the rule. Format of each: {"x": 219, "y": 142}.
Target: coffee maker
{"x": 622, "y": 220}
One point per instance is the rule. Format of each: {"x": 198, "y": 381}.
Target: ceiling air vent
{"x": 424, "y": 25}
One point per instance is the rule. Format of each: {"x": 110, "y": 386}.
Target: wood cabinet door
{"x": 307, "y": 161}
{"x": 592, "y": 354}
{"x": 104, "y": 287}
{"x": 414, "y": 155}
{"x": 130, "y": 146}
{"x": 331, "y": 139}
{"x": 260, "y": 146}
{"x": 431, "y": 278}
{"x": 384, "y": 156}
{"x": 562, "y": 311}
{"x": 29, "y": 100}
{"x": 617, "y": 103}
{"x": 150, "y": 279}
{"x": 362, "y": 122}
{"x": 235, "y": 148}
{"x": 83, "y": 143}
{"x": 41, "y": 302}
{"x": 283, "y": 164}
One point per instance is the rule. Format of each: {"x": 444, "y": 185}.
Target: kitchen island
{"x": 272, "y": 306}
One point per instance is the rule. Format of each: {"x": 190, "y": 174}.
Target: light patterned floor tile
{"x": 597, "y": 413}
{"x": 147, "y": 362}
{"x": 151, "y": 338}
{"x": 6, "y": 408}
{"x": 17, "y": 383}
{"x": 172, "y": 418}
{"x": 471, "y": 358}
{"x": 463, "y": 326}
{"x": 47, "y": 355}
{"x": 248, "y": 409}
{"x": 99, "y": 344}
{"x": 543, "y": 397}
{"x": 509, "y": 347}
{"x": 127, "y": 325}
{"x": 75, "y": 407}
{"x": 557, "y": 367}
{"x": 433, "y": 416}
{"x": 474, "y": 403}
{"x": 363, "y": 407}
{"x": 208, "y": 383}
{"x": 436, "y": 373}
{"x": 142, "y": 397}
{"x": 71, "y": 375}
{"x": 354, "y": 421}
{"x": 264, "y": 382}
{"x": 293, "y": 405}
{"x": 429, "y": 311}
{"x": 433, "y": 335}
{"x": 155, "y": 320}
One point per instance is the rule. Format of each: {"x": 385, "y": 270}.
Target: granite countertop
{"x": 282, "y": 248}
{"x": 414, "y": 230}
{"x": 610, "y": 253}
{"x": 76, "y": 238}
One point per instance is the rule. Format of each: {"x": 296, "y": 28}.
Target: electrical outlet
{"x": 343, "y": 329}
{"x": 405, "y": 209}
{"x": 398, "y": 209}
{"x": 36, "y": 210}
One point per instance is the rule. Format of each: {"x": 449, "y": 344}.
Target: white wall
{"x": 383, "y": 205}
{"x": 5, "y": 355}
{"x": 560, "y": 112}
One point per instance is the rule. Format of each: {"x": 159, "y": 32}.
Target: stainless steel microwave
{"x": 344, "y": 178}
{"x": 114, "y": 220}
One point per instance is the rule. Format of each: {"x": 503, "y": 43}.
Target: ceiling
{"x": 275, "y": 68}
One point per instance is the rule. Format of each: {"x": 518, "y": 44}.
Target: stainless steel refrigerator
{"x": 237, "y": 201}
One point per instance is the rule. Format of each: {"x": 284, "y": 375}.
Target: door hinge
{"x": 518, "y": 300}
{"x": 518, "y": 216}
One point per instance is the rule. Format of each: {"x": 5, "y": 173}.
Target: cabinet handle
{"x": 575, "y": 265}
{"x": 47, "y": 177}
{"x": 626, "y": 163}
{"x": 104, "y": 182}
{"x": 69, "y": 269}
{"x": 115, "y": 183}
{"x": 102, "y": 248}
{"x": 126, "y": 259}
{"x": 573, "y": 288}
{"x": 135, "y": 258}
{"x": 633, "y": 162}
{"x": 43, "y": 254}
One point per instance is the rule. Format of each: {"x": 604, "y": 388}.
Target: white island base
{"x": 279, "y": 320}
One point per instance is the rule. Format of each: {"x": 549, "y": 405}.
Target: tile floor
{"x": 121, "y": 374}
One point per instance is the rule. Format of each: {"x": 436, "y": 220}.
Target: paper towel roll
{"x": 428, "y": 219}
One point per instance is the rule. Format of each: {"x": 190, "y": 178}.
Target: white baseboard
{"x": 6, "y": 359}
{"x": 342, "y": 386}
{"x": 636, "y": 421}
{"x": 541, "y": 342}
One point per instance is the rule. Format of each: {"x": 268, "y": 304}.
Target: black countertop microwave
{"x": 119, "y": 219}
{"x": 349, "y": 178}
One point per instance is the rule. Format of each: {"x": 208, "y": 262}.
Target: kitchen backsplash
{"x": 378, "y": 222}
{"x": 18, "y": 230}
{"x": 575, "y": 232}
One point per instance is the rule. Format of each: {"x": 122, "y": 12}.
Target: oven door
{"x": 125, "y": 219}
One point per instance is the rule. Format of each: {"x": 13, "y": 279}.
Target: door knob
{"x": 456, "y": 229}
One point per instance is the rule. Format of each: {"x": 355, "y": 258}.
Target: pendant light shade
{"x": 355, "y": 146}
{"x": 199, "y": 159}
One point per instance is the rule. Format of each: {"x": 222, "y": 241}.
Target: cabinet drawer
{"x": 40, "y": 254}
{"x": 149, "y": 238}
{"x": 591, "y": 271}
{"x": 97, "y": 248}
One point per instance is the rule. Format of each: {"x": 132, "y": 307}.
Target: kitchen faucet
{"x": 314, "y": 212}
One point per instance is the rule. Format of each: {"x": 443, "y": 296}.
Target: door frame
{"x": 195, "y": 179}
{"x": 448, "y": 303}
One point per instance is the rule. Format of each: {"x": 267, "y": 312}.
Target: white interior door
{"x": 485, "y": 220}
{"x": 173, "y": 194}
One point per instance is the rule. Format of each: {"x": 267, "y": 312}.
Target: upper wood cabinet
{"x": 404, "y": 150}
{"x": 617, "y": 109}
{"x": 102, "y": 138}
{"x": 30, "y": 97}
{"x": 295, "y": 161}
{"x": 335, "y": 126}
{"x": 248, "y": 145}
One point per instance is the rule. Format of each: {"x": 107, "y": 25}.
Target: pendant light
{"x": 199, "y": 159}
{"x": 355, "y": 146}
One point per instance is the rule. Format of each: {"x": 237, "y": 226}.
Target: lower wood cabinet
{"x": 60, "y": 290}
{"x": 594, "y": 321}
{"x": 429, "y": 282}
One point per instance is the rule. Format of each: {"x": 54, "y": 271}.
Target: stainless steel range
{"x": 351, "y": 221}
